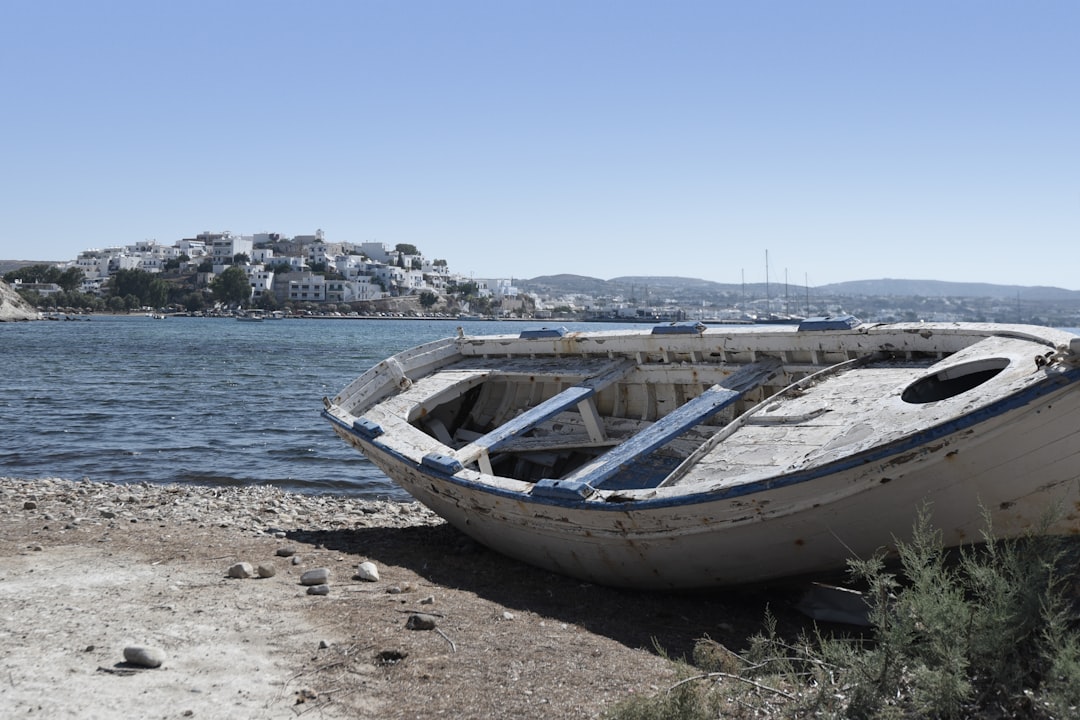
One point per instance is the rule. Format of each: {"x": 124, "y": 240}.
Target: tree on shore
{"x": 428, "y": 299}
{"x": 142, "y": 286}
{"x": 232, "y": 286}
{"x": 69, "y": 279}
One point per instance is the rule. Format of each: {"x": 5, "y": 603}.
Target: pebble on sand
{"x": 315, "y": 576}
{"x": 421, "y": 621}
{"x": 144, "y": 656}
{"x": 242, "y": 570}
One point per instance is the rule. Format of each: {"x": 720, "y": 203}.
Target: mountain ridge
{"x": 569, "y": 283}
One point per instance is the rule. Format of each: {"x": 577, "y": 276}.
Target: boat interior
{"x": 620, "y": 425}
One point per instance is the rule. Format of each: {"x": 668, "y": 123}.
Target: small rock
{"x": 108, "y": 514}
{"x": 29, "y": 505}
{"x": 324, "y": 644}
{"x": 393, "y": 590}
{"x": 420, "y": 621}
{"x": 242, "y": 570}
{"x": 390, "y": 657}
{"x": 315, "y": 576}
{"x": 287, "y": 551}
{"x": 507, "y": 615}
{"x": 368, "y": 571}
{"x": 144, "y": 656}
{"x": 429, "y": 600}
{"x": 318, "y": 590}
{"x": 296, "y": 560}
{"x": 266, "y": 570}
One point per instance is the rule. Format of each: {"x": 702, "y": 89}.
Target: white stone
{"x": 368, "y": 571}
{"x": 242, "y": 570}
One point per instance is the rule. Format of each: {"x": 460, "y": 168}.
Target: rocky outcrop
{"x": 13, "y": 307}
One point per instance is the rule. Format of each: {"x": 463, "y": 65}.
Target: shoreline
{"x": 265, "y": 508}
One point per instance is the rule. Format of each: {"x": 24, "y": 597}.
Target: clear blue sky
{"x": 514, "y": 138}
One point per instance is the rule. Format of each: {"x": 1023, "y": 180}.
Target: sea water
{"x": 206, "y": 401}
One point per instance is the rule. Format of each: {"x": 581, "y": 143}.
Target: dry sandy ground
{"x": 88, "y": 569}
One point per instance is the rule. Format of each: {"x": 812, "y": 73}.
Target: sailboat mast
{"x": 768, "y": 298}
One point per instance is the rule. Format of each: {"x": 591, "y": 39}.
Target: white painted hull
{"x": 1014, "y": 459}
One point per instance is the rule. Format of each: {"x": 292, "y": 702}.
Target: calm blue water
{"x": 195, "y": 400}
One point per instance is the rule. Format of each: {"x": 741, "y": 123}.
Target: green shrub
{"x": 986, "y": 630}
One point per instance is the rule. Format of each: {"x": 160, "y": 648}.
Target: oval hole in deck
{"x": 953, "y": 381}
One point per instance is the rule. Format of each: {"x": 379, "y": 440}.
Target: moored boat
{"x": 692, "y": 456}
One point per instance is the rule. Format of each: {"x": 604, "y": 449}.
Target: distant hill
{"x": 7, "y": 266}
{"x": 630, "y": 285}
{"x": 659, "y": 286}
{"x": 941, "y": 288}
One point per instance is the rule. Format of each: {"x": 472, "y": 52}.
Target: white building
{"x": 227, "y": 246}
{"x": 377, "y": 251}
{"x": 324, "y": 253}
{"x": 260, "y": 279}
{"x": 192, "y": 248}
{"x": 94, "y": 264}
{"x": 263, "y": 256}
{"x": 309, "y": 287}
{"x": 347, "y": 291}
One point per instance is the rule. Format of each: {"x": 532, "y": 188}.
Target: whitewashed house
{"x": 260, "y": 279}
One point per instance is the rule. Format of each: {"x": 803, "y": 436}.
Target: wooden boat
{"x": 692, "y": 456}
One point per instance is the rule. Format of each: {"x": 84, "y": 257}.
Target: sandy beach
{"x": 90, "y": 569}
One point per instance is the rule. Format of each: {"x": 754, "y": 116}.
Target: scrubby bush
{"x": 984, "y": 631}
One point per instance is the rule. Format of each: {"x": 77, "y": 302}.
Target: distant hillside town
{"x": 224, "y": 273}
{"x": 216, "y": 270}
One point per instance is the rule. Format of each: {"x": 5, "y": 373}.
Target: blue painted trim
{"x": 543, "y": 333}
{"x": 442, "y": 463}
{"x": 839, "y": 322}
{"x": 562, "y": 489}
{"x": 686, "y": 327}
{"x": 367, "y": 428}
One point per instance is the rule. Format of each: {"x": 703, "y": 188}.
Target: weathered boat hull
{"x": 1012, "y": 461}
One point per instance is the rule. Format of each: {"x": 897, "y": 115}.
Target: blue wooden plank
{"x": 544, "y": 411}
{"x": 535, "y": 415}
{"x": 660, "y": 433}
